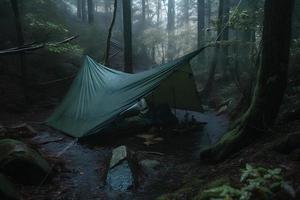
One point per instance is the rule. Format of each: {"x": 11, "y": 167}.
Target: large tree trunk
{"x": 106, "y": 59}
{"x": 270, "y": 85}
{"x": 171, "y": 29}
{"x": 127, "y": 36}
{"x": 20, "y": 41}
{"x": 90, "y": 6}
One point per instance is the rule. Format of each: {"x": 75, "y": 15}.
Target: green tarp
{"x": 99, "y": 94}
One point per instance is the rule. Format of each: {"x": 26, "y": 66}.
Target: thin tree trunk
{"x": 211, "y": 76}
{"x": 158, "y": 11}
{"x": 225, "y": 37}
{"x": 171, "y": 29}
{"x": 79, "y": 9}
{"x": 83, "y": 8}
{"x": 20, "y": 41}
{"x": 127, "y": 36}
{"x": 90, "y": 6}
{"x": 143, "y": 13}
{"x": 201, "y": 21}
{"x": 270, "y": 85}
{"x": 106, "y": 59}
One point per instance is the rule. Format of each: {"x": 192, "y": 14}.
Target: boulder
{"x": 22, "y": 163}
{"x": 121, "y": 174}
{"x": 7, "y": 189}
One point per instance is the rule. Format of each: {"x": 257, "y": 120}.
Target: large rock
{"x": 7, "y": 189}
{"x": 22, "y": 163}
{"x": 121, "y": 171}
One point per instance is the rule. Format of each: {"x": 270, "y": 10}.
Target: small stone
{"x": 118, "y": 154}
{"x": 149, "y": 167}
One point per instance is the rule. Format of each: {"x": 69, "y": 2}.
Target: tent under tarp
{"x": 99, "y": 94}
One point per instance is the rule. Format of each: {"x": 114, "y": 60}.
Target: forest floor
{"x": 79, "y": 173}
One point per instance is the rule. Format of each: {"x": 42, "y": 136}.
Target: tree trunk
{"x": 20, "y": 42}
{"x": 270, "y": 85}
{"x": 201, "y": 22}
{"x": 143, "y": 14}
{"x": 79, "y": 9}
{"x": 171, "y": 29}
{"x": 186, "y": 13}
{"x": 211, "y": 76}
{"x": 158, "y": 10}
{"x": 127, "y": 36}
{"x": 225, "y": 37}
{"x": 106, "y": 59}
{"x": 83, "y": 8}
{"x": 90, "y": 6}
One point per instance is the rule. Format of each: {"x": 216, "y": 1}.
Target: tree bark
{"x": 158, "y": 10}
{"x": 171, "y": 29}
{"x": 79, "y": 9}
{"x": 83, "y": 8}
{"x": 225, "y": 37}
{"x": 211, "y": 76}
{"x": 143, "y": 13}
{"x": 106, "y": 59}
{"x": 201, "y": 21}
{"x": 270, "y": 85}
{"x": 90, "y": 6}
{"x": 20, "y": 42}
{"x": 127, "y": 36}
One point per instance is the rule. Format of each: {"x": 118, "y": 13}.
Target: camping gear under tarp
{"x": 99, "y": 94}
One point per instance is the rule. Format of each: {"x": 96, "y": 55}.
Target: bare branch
{"x": 33, "y": 46}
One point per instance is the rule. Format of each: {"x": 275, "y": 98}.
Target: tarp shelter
{"x": 99, "y": 94}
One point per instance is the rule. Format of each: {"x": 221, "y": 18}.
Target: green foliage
{"x": 257, "y": 183}
{"x": 38, "y": 24}
{"x": 245, "y": 20}
{"x": 64, "y": 48}
{"x": 223, "y": 192}
{"x": 261, "y": 180}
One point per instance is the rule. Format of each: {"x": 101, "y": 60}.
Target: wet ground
{"x": 80, "y": 168}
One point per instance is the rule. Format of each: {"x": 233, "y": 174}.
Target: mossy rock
{"x": 22, "y": 163}
{"x": 7, "y": 189}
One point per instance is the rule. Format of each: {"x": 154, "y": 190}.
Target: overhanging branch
{"x": 34, "y": 46}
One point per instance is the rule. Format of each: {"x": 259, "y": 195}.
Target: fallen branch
{"x": 64, "y": 41}
{"x": 33, "y": 46}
